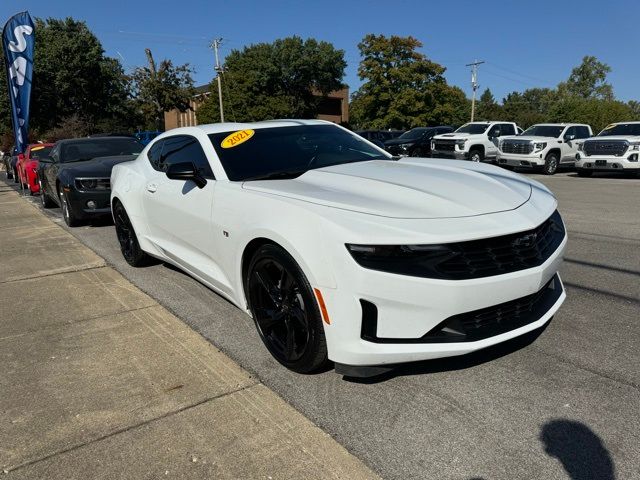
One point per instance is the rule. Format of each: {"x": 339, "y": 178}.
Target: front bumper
{"x": 607, "y": 164}
{"x": 407, "y": 308}
{"x": 77, "y": 201}
{"x": 454, "y": 154}
{"x": 516, "y": 160}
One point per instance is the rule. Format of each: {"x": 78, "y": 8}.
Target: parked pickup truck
{"x": 475, "y": 141}
{"x": 614, "y": 149}
{"x": 546, "y": 146}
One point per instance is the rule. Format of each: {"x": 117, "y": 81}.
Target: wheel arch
{"x": 477, "y": 146}
{"x": 553, "y": 150}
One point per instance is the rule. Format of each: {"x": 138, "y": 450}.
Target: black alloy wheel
{"x": 67, "y": 214}
{"x": 127, "y": 238}
{"x": 550, "y": 164}
{"x": 285, "y": 310}
{"x": 44, "y": 198}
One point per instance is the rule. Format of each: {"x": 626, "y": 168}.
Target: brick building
{"x": 335, "y": 108}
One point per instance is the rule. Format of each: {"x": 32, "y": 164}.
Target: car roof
{"x": 560, "y": 125}
{"x": 92, "y": 139}
{"x": 212, "y": 128}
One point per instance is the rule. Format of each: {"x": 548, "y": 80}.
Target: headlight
{"x": 460, "y": 143}
{"x": 406, "y": 146}
{"x": 414, "y": 260}
{"x": 87, "y": 184}
{"x": 92, "y": 184}
{"x": 634, "y": 146}
{"x": 539, "y": 146}
{"x": 581, "y": 147}
{"x": 433, "y": 145}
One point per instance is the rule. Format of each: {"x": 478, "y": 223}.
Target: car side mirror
{"x": 568, "y": 138}
{"x": 185, "y": 171}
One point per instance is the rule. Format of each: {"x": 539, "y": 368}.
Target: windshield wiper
{"x": 284, "y": 174}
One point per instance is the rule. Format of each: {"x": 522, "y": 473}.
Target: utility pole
{"x": 216, "y": 43}
{"x": 474, "y": 84}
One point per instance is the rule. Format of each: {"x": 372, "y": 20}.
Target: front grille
{"x": 477, "y": 324}
{"x": 505, "y": 254}
{"x": 615, "y": 148}
{"x": 445, "y": 145}
{"x": 521, "y": 147}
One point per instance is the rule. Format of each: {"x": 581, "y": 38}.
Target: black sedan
{"x": 415, "y": 142}
{"x": 76, "y": 176}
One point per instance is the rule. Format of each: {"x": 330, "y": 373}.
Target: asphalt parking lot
{"x": 560, "y": 404}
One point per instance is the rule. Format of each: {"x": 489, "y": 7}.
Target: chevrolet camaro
{"x": 338, "y": 250}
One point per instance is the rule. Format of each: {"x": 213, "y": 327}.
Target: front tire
{"x": 584, "y": 173}
{"x": 44, "y": 198}
{"x": 475, "y": 155}
{"x": 129, "y": 245}
{"x": 69, "y": 218}
{"x": 551, "y": 163}
{"x": 285, "y": 310}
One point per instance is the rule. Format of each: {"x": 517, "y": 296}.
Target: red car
{"x": 27, "y": 166}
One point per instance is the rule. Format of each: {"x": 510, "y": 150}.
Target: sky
{"x": 524, "y": 44}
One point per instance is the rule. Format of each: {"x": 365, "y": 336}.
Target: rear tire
{"x": 551, "y": 163}
{"x": 285, "y": 310}
{"x": 584, "y": 172}
{"x": 129, "y": 245}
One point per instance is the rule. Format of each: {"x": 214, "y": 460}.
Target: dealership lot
{"x": 566, "y": 401}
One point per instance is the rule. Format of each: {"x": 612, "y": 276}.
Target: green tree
{"x": 276, "y": 80}
{"x": 588, "y": 80}
{"x": 160, "y": 89}
{"x": 72, "y": 76}
{"x": 402, "y": 88}
{"x": 529, "y": 107}
{"x": 487, "y": 107}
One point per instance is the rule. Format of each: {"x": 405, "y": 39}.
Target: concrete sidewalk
{"x": 99, "y": 381}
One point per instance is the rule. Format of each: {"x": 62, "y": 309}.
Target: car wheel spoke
{"x": 267, "y": 284}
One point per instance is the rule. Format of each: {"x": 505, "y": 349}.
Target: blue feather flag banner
{"x": 18, "y": 39}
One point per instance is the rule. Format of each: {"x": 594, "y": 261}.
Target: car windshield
{"x": 473, "y": 128}
{"x": 544, "y": 131}
{"x": 37, "y": 153}
{"x": 288, "y": 152}
{"x": 631, "y": 129}
{"x": 413, "y": 134}
{"x": 99, "y": 147}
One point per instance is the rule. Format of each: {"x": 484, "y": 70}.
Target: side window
{"x": 185, "y": 149}
{"x": 570, "y": 131}
{"x": 508, "y": 129}
{"x": 495, "y": 131}
{"x": 154, "y": 155}
{"x": 583, "y": 132}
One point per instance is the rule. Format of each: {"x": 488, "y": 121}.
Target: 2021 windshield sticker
{"x": 236, "y": 138}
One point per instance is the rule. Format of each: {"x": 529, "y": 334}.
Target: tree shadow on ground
{"x": 581, "y": 452}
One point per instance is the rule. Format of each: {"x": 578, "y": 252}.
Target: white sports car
{"x": 337, "y": 250}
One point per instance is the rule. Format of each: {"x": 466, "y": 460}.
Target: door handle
{"x": 152, "y": 187}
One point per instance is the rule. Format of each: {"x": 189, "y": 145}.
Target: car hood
{"x": 423, "y": 188}
{"x": 606, "y": 138}
{"x": 528, "y": 138}
{"x": 454, "y": 136}
{"x": 96, "y": 167}
{"x": 400, "y": 141}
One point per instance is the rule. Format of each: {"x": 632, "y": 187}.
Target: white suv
{"x": 546, "y": 146}
{"x": 614, "y": 149}
{"x": 475, "y": 141}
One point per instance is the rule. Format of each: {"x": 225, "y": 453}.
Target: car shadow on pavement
{"x": 581, "y": 452}
{"x": 454, "y": 363}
